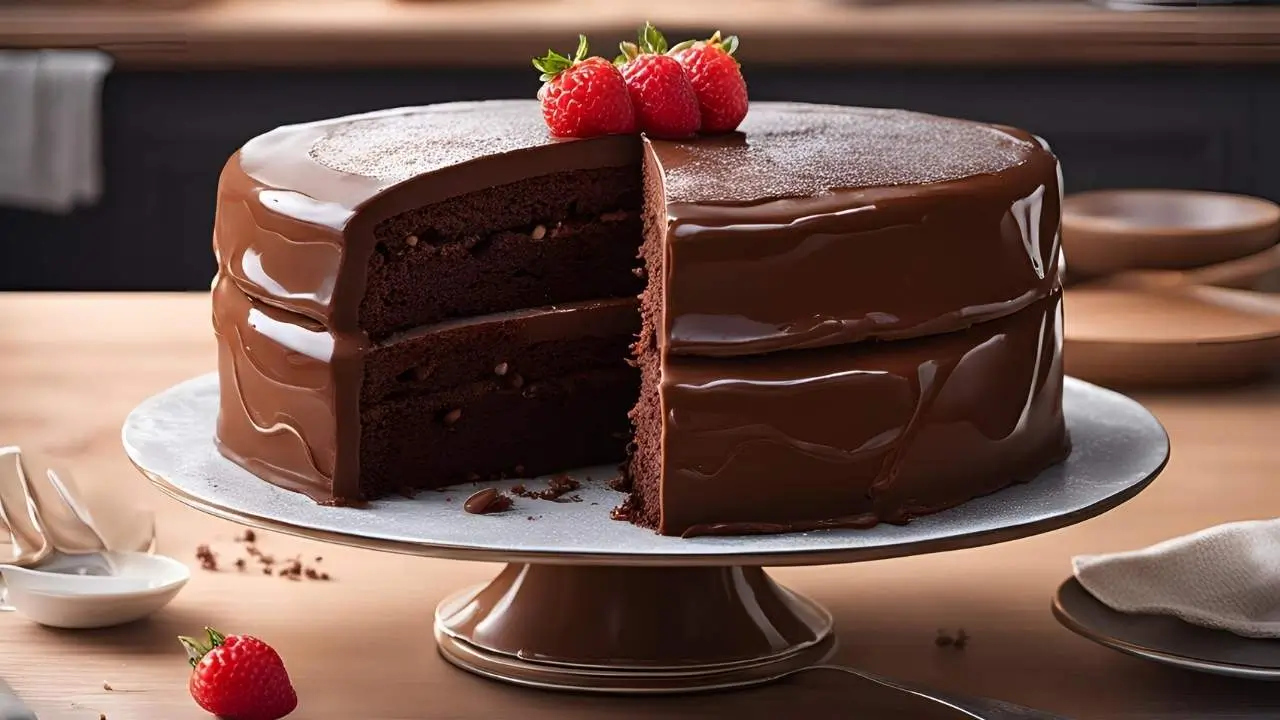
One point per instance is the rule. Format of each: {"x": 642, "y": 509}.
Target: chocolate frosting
{"x": 816, "y": 199}
{"x": 854, "y": 436}
{"x": 813, "y": 229}
{"x": 821, "y": 225}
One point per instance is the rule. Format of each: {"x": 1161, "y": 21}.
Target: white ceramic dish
{"x": 115, "y": 588}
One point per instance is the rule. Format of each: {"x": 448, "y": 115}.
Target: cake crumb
{"x": 557, "y": 487}
{"x": 640, "y": 272}
{"x": 623, "y": 511}
{"x": 618, "y": 483}
{"x": 241, "y": 564}
{"x": 106, "y": 686}
{"x": 516, "y": 381}
{"x": 539, "y": 232}
{"x": 946, "y": 639}
{"x": 501, "y": 369}
{"x": 488, "y": 500}
{"x": 208, "y": 560}
{"x": 452, "y": 416}
{"x": 248, "y": 536}
{"x": 411, "y": 240}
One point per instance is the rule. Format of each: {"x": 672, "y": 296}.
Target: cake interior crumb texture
{"x": 480, "y": 399}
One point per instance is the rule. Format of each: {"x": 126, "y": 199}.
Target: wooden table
{"x": 359, "y": 646}
{"x": 436, "y": 33}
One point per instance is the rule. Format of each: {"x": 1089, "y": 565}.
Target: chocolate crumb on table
{"x": 946, "y": 639}
{"x": 208, "y": 560}
{"x": 241, "y": 564}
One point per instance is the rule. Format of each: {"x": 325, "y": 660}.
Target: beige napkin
{"x": 1226, "y": 577}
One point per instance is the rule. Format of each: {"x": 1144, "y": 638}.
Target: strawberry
{"x": 583, "y": 96}
{"x": 666, "y": 105}
{"x": 239, "y": 677}
{"x": 716, "y": 79}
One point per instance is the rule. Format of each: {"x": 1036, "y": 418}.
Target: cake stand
{"x": 587, "y": 603}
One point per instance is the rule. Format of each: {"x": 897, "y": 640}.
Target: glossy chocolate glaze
{"x": 821, "y": 225}
{"x": 816, "y": 227}
{"x": 297, "y": 205}
{"x": 856, "y": 435}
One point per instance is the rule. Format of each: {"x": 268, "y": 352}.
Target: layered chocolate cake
{"x": 832, "y": 317}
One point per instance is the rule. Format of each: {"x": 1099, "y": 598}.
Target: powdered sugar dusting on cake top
{"x": 793, "y": 150}
{"x": 395, "y": 146}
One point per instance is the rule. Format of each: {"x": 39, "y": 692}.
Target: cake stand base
{"x": 632, "y": 629}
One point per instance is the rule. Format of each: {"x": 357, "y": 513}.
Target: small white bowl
{"x": 140, "y": 585}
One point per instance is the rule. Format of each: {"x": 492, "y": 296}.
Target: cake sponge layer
{"x": 328, "y": 414}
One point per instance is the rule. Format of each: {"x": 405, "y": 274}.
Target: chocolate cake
{"x": 834, "y": 317}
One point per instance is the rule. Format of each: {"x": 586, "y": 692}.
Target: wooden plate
{"x": 1108, "y": 231}
{"x": 1132, "y": 337}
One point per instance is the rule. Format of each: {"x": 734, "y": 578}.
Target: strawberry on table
{"x": 583, "y": 96}
{"x": 239, "y": 677}
{"x": 717, "y": 80}
{"x": 666, "y": 105}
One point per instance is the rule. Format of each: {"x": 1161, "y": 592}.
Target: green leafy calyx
{"x": 553, "y": 63}
{"x": 649, "y": 41}
{"x": 728, "y": 44}
{"x": 196, "y": 650}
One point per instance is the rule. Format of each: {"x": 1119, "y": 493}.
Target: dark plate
{"x": 1166, "y": 639}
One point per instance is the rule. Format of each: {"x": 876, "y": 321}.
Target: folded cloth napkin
{"x": 50, "y": 134}
{"x": 1226, "y": 577}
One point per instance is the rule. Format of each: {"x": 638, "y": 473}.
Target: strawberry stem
{"x": 196, "y": 650}
{"x": 553, "y": 63}
{"x": 651, "y": 40}
{"x": 728, "y": 44}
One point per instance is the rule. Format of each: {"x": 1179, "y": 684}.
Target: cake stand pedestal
{"x": 587, "y": 603}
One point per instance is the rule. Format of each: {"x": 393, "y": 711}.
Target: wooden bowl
{"x": 1109, "y": 231}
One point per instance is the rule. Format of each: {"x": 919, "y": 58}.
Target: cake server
{"x": 978, "y": 708}
{"x": 11, "y": 706}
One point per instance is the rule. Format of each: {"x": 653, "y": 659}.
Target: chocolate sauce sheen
{"x": 819, "y": 225}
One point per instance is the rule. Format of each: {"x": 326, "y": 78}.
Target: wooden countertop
{"x": 355, "y": 33}
{"x": 72, "y": 366}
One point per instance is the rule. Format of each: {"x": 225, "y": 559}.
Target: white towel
{"x": 50, "y": 128}
{"x": 1226, "y": 577}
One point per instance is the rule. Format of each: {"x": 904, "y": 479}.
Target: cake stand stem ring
{"x": 632, "y": 629}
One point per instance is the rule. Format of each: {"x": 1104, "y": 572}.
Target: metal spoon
{"x": 979, "y": 708}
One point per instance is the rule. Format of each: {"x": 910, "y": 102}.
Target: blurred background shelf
{"x": 1177, "y": 99}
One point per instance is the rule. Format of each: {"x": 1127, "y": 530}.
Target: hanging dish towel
{"x": 1226, "y": 577}
{"x": 50, "y": 128}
